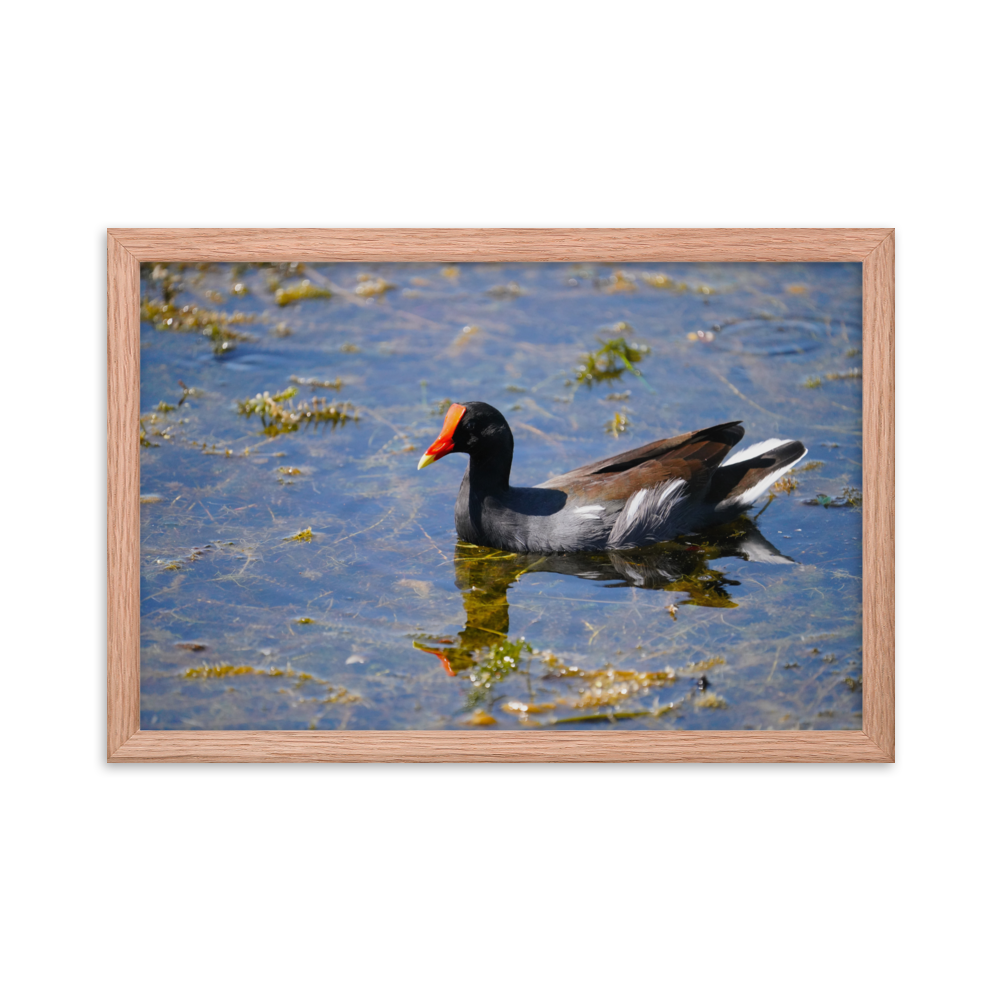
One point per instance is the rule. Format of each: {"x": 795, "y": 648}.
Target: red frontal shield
{"x": 443, "y": 443}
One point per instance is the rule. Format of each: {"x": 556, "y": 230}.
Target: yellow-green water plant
{"x": 279, "y": 418}
{"x": 611, "y": 360}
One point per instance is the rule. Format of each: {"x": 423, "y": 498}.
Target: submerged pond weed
{"x": 610, "y": 361}
{"x": 317, "y": 383}
{"x": 218, "y": 327}
{"x": 278, "y": 418}
{"x": 850, "y": 497}
{"x": 618, "y": 424}
{"x": 305, "y": 289}
{"x": 369, "y": 288}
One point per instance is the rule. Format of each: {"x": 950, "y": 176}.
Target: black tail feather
{"x": 733, "y": 480}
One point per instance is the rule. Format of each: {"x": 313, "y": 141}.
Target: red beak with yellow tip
{"x": 444, "y": 442}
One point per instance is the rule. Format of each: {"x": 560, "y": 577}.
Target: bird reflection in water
{"x": 682, "y": 566}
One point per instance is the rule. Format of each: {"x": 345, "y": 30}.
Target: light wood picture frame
{"x": 128, "y": 248}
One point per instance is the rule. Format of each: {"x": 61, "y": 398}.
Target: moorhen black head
{"x": 675, "y": 486}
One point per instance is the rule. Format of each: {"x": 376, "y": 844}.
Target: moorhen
{"x": 676, "y": 486}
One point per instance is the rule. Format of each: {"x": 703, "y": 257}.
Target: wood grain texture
{"x": 879, "y": 504}
{"x": 441, "y": 747}
{"x": 500, "y": 244}
{"x": 128, "y": 247}
{"x": 123, "y": 495}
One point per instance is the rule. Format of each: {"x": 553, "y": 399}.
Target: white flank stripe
{"x": 633, "y": 506}
{"x": 754, "y": 450}
{"x": 668, "y": 490}
{"x": 587, "y": 510}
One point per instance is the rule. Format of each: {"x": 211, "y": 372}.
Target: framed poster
{"x": 587, "y": 701}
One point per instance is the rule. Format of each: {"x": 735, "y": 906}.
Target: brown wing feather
{"x": 691, "y": 457}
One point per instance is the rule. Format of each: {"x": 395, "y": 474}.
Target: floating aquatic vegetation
{"x": 620, "y": 281}
{"x": 814, "y": 381}
{"x": 610, "y": 361}
{"x": 501, "y": 658}
{"x": 515, "y": 388}
{"x": 159, "y": 425}
{"x": 468, "y": 332}
{"x": 527, "y": 708}
{"x": 852, "y": 683}
{"x": 289, "y": 470}
{"x": 615, "y": 397}
{"x": 305, "y": 535}
{"x": 166, "y": 276}
{"x": 218, "y": 327}
{"x": 711, "y": 700}
{"x": 369, "y": 287}
{"x": 305, "y": 289}
{"x": 191, "y": 647}
{"x": 665, "y": 283}
{"x": 786, "y": 484}
{"x": 618, "y": 424}
{"x": 218, "y": 670}
{"x": 193, "y": 555}
{"x": 511, "y": 290}
{"x": 340, "y": 696}
{"x": 702, "y": 665}
{"x": 450, "y": 271}
{"x": 317, "y": 383}
{"x": 610, "y": 687}
{"x": 612, "y": 716}
{"x": 795, "y": 289}
{"x": 656, "y": 280}
{"x": 706, "y": 589}
{"x": 280, "y": 419}
{"x": 150, "y": 498}
{"x": 240, "y": 289}
{"x": 811, "y": 466}
{"x": 305, "y": 621}
{"x": 850, "y": 497}
{"x": 479, "y": 717}
{"x": 280, "y": 271}
{"x": 144, "y": 437}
